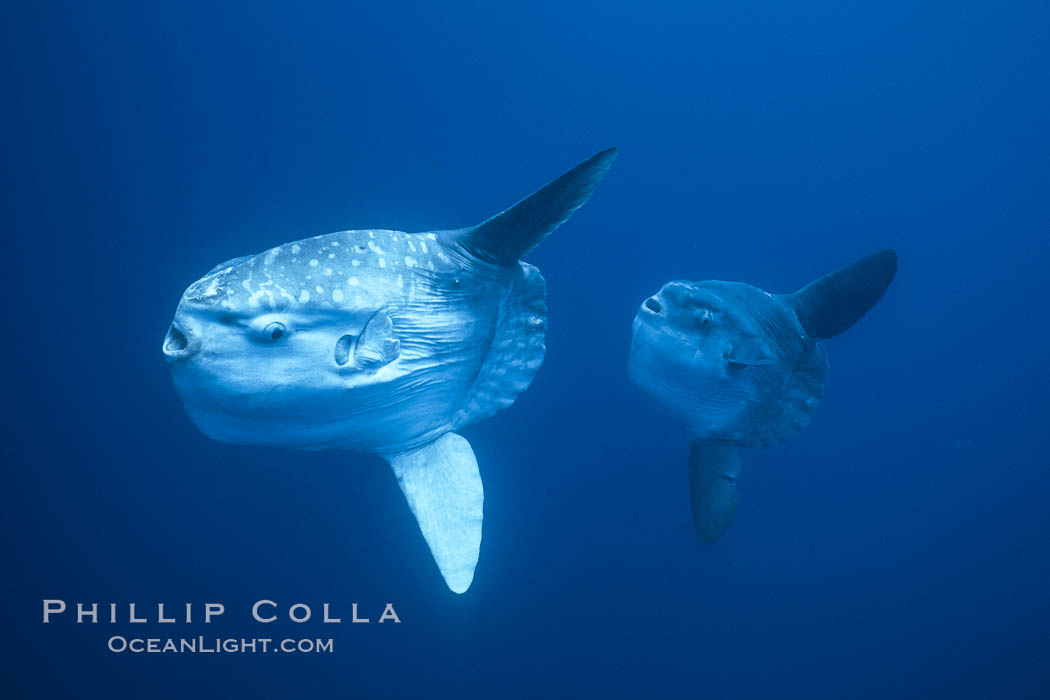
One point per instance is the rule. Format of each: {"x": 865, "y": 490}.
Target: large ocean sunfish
{"x": 743, "y": 367}
{"x": 382, "y": 342}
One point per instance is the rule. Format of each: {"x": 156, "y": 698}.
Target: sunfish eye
{"x": 274, "y": 331}
{"x": 704, "y": 317}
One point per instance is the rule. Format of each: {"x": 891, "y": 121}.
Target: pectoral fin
{"x": 713, "y": 470}
{"x": 443, "y": 488}
{"x": 752, "y": 352}
{"x": 377, "y": 345}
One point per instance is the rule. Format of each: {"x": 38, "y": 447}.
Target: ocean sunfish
{"x": 743, "y": 367}
{"x": 382, "y": 342}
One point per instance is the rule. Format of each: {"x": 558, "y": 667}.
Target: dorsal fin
{"x": 833, "y": 303}
{"x": 507, "y": 236}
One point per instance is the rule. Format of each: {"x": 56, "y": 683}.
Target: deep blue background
{"x": 896, "y": 548}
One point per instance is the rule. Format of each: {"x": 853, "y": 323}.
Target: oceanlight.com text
{"x": 217, "y": 645}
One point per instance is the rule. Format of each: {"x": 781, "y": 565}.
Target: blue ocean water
{"x": 896, "y": 547}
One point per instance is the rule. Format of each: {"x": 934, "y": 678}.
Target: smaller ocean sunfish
{"x": 383, "y": 342}
{"x": 743, "y": 367}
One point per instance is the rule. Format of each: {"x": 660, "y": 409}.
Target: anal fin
{"x": 714, "y": 466}
{"x": 443, "y": 488}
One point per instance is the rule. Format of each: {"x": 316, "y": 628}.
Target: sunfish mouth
{"x": 179, "y": 343}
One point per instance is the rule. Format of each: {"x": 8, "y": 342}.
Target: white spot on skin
{"x": 337, "y": 295}
{"x": 400, "y": 281}
{"x": 247, "y": 285}
{"x": 382, "y": 262}
{"x": 355, "y": 262}
{"x": 304, "y": 296}
{"x": 353, "y": 282}
{"x": 319, "y": 289}
{"x": 411, "y": 245}
{"x": 410, "y": 261}
{"x": 335, "y": 244}
{"x": 296, "y": 248}
{"x": 432, "y": 236}
{"x": 374, "y": 248}
{"x": 328, "y": 271}
{"x": 423, "y": 245}
{"x": 331, "y": 255}
{"x": 313, "y": 263}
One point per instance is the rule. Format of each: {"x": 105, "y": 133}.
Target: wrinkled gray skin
{"x": 383, "y": 342}
{"x": 741, "y": 367}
